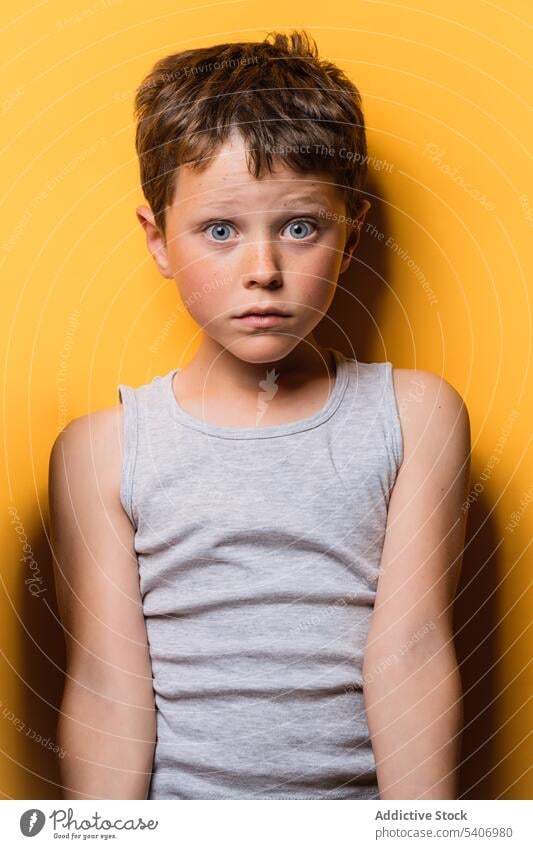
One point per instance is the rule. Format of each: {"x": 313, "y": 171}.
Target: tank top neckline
{"x": 226, "y": 432}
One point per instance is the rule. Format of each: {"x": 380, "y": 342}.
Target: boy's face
{"x": 233, "y": 242}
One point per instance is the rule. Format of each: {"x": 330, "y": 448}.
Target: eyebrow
{"x": 294, "y": 201}
{"x": 312, "y": 197}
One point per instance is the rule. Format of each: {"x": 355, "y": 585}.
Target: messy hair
{"x": 286, "y": 103}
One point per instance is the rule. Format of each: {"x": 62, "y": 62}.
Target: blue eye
{"x": 220, "y": 231}
{"x": 218, "y": 226}
{"x": 298, "y": 227}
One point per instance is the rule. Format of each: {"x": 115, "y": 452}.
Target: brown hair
{"x": 286, "y": 103}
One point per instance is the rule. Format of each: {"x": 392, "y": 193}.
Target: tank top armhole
{"x": 129, "y": 448}
{"x": 394, "y": 416}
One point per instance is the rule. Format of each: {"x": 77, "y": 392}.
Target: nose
{"x": 261, "y": 265}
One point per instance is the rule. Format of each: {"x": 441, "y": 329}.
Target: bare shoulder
{"x": 95, "y": 565}
{"x": 91, "y": 445}
{"x": 424, "y": 539}
{"x": 433, "y": 414}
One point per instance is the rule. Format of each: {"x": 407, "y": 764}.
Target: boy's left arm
{"x": 412, "y": 687}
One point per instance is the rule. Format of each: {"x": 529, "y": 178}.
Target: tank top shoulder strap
{"x": 130, "y": 429}
{"x": 392, "y": 407}
{"x": 372, "y": 398}
{"x": 144, "y": 407}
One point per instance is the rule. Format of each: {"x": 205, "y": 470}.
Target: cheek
{"x": 202, "y": 279}
{"x": 317, "y": 273}
{"x": 206, "y": 291}
{"x": 318, "y": 293}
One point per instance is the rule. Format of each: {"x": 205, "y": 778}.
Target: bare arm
{"x": 107, "y": 718}
{"x": 412, "y": 686}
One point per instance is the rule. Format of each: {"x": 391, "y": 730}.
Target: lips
{"x": 259, "y": 309}
{"x": 262, "y": 320}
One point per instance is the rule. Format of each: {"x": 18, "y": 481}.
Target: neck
{"x": 217, "y": 366}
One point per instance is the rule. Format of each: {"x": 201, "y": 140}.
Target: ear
{"x": 355, "y": 231}
{"x": 155, "y": 240}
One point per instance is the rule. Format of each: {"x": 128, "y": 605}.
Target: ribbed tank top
{"x": 259, "y": 551}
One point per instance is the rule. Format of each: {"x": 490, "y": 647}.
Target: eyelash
{"x": 294, "y": 221}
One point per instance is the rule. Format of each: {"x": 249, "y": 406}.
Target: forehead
{"x": 226, "y": 180}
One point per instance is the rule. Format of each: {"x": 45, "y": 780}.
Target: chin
{"x": 264, "y": 347}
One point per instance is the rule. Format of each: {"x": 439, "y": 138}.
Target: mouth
{"x": 262, "y": 316}
{"x": 261, "y": 319}
{"x": 261, "y": 309}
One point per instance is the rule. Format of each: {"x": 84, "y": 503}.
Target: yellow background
{"x": 84, "y": 307}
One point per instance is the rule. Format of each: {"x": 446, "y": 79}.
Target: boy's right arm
{"x": 107, "y": 721}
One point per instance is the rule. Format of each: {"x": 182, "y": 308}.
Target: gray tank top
{"x": 258, "y": 551}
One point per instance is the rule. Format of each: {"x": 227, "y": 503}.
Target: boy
{"x": 219, "y": 535}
